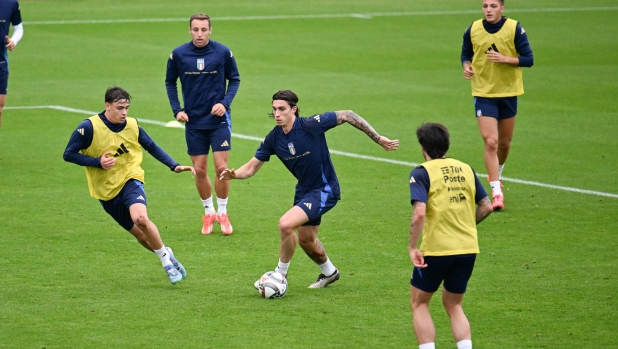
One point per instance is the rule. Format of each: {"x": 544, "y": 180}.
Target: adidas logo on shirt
{"x": 308, "y": 204}
{"x": 121, "y": 150}
{"x": 81, "y": 131}
{"x": 225, "y": 144}
{"x": 141, "y": 198}
{"x": 317, "y": 118}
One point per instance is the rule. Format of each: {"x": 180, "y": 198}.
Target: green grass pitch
{"x": 547, "y": 274}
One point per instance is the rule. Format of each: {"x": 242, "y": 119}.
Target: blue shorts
{"x": 455, "y": 271}
{"x": 118, "y": 207}
{"x": 4, "y": 78}
{"x": 199, "y": 142}
{"x": 498, "y": 108}
{"x": 315, "y": 203}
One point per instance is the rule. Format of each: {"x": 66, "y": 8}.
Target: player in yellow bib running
{"x": 493, "y": 53}
{"x": 108, "y": 145}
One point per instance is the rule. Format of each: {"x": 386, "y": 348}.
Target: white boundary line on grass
{"x": 337, "y": 152}
{"x": 319, "y": 16}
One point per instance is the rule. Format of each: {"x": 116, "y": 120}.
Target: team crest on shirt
{"x": 200, "y": 64}
{"x": 291, "y": 147}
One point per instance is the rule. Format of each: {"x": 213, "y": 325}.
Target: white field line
{"x": 319, "y": 16}
{"x": 337, "y": 152}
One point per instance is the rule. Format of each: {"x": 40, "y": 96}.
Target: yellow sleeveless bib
{"x": 450, "y": 224}
{"x": 124, "y": 146}
{"x": 495, "y": 79}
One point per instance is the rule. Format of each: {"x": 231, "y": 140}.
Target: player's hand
{"x": 227, "y": 174}
{"x": 496, "y": 57}
{"x": 107, "y": 162}
{"x": 218, "y": 109}
{"x": 179, "y": 169}
{"x": 182, "y": 117}
{"x": 10, "y": 44}
{"x": 468, "y": 72}
{"x": 387, "y": 144}
{"x": 416, "y": 257}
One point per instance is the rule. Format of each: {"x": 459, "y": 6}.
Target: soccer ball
{"x": 272, "y": 285}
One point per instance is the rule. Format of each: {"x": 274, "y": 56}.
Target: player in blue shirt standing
{"x": 9, "y": 14}
{"x": 300, "y": 143}
{"x": 204, "y": 66}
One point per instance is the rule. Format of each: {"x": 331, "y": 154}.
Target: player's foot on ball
{"x": 208, "y": 221}
{"x": 177, "y": 264}
{"x": 173, "y": 273}
{"x": 324, "y": 280}
{"x": 498, "y": 202}
{"x": 224, "y": 221}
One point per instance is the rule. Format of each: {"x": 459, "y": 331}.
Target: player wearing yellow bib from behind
{"x": 110, "y": 145}
{"x": 493, "y": 53}
{"x": 448, "y": 202}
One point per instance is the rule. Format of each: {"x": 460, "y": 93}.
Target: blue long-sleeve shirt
{"x": 522, "y": 45}
{"x": 203, "y": 73}
{"x": 82, "y": 139}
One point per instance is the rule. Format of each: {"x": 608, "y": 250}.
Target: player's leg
{"x": 4, "y": 81}
{"x": 2, "y": 102}
{"x": 222, "y": 189}
{"x": 460, "y": 326}
{"x": 315, "y": 204}
{"x": 506, "y": 126}
{"x": 141, "y": 237}
{"x": 488, "y": 126}
{"x": 505, "y": 136}
{"x": 454, "y": 288}
{"x": 139, "y": 215}
{"x": 289, "y": 222}
{"x": 421, "y": 318}
{"x": 202, "y": 182}
{"x": 198, "y": 146}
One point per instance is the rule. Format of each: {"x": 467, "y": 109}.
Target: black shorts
{"x": 118, "y": 207}
{"x": 315, "y": 203}
{"x": 455, "y": 271}
{"x": 498, "y": 108}
{"x": 199, "y": 142}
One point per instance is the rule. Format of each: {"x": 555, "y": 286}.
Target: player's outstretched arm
{"x": 245, "y": 171}
{"x": 483, "y": 209}
{"x": 357, "y": 121}
{"x": 180, "y": 168}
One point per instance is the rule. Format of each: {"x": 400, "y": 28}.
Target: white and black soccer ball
{"x": 272, "y": 285}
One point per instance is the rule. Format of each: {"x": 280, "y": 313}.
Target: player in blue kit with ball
{"x": 300, "y": 143}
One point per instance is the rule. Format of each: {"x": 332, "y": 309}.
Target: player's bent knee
{"x": 142, "y": 222}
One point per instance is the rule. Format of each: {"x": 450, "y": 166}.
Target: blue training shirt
{"x": 522, "y": 45}
{"x": 82, "y": 138}
{"x": 203, "y": 73}
{"x": 304, "y": 152}
{"x": 419, "y": 189}
{"x": 9, "y": 14}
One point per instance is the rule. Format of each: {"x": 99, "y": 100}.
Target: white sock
{"x": 222, "y": 205}
{"x": 282, "y": 268}
{"x": 500, "y": 168}
{"x": 208, "y": 207}
{"x": 328, "y": 268}
{"x": 495, "y": 188}
{"x": 164, "y": 256}
{"x": 431, "y": 345}
{"x": 464, "y": 344}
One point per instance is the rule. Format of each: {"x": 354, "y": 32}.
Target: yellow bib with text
{"x": 124, "y": 146}
{"x": 495, "y": 79}
{"x": 450, "y": 221}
